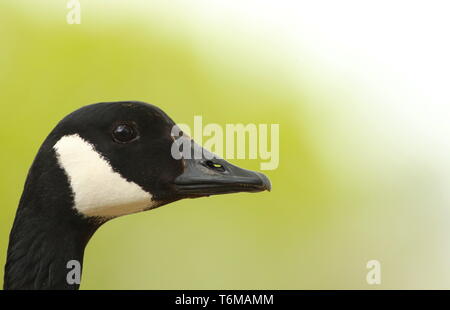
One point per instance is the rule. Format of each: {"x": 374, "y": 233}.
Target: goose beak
{"x": 203, "y": 176}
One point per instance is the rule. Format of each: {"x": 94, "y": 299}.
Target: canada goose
{"x": 103, "y": 161}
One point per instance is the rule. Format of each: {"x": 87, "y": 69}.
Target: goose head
{"x": 123, "y": 157}
{"x": 100, "y": 162}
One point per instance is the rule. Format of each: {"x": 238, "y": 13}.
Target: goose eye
{"x": 124, "y": 133}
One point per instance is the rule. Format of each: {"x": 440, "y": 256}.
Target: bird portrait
{"x": 103, "y": 161}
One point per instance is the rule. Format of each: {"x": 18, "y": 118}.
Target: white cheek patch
{"x": 97, "y": 189}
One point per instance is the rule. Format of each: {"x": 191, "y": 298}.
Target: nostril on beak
{"x": 214, "y": 166}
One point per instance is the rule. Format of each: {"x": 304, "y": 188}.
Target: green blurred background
{"x": 349, "y": 187}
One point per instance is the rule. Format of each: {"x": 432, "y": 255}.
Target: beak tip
{"x": 267, "y": 185}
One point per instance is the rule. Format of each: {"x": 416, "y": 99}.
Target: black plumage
{"x": 48, "y": 231}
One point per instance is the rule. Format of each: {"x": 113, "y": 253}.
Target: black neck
{"x": 47, "y": 231}
{"x": 39, "y": 252}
